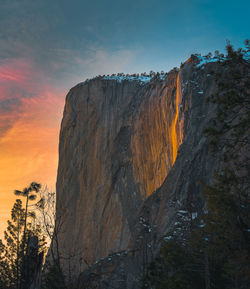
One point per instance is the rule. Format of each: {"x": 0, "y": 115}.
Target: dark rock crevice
{"x": 117, "y": 171}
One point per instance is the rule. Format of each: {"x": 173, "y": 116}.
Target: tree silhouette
{"x": 11, "y": 259}
{"x": 30, "y": 195}
{"x": 21, "y": 227}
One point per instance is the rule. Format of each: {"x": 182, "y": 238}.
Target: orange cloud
{"x": 14, "y": 71}
{"x": 31, "y": 110}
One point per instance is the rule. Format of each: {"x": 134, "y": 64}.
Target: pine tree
{"x": 21, "y": 227}
{"x": 3, "y": 267}
{"x": 217, "y": 253}
{"x": 175, "y": 268}
{"x": 227, "y": 199}
{"x": 11, "y": 251}
{"x": 30, "y": 195}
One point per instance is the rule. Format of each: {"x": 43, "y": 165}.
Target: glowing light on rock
{"x": 176, "y": 138}
{"x": 157, "y": 135}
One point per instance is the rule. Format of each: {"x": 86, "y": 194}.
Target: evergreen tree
{"x": 11, "y": 257}
{"x": 227, "y": 199}
{"x": 21, "y": 227}
{"x": 217, "y": 253}
{"x": 30, "y": 195}
{"x": 3, "y": 267}
{"x": 175, "y": 268}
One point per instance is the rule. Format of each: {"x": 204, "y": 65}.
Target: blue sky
{"x": 48, "y": 46}
{"x": 80, "y": 38}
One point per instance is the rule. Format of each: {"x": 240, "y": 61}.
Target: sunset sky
{"x": 48, "y": 46}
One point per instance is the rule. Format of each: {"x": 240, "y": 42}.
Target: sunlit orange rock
{"x": 130, "y": 148}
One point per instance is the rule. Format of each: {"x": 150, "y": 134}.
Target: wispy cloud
{"x": 31, "y": 105}
{"x": 30, "y": 112}
{"x": 46, "y": 47}
{"x": 94, "y": 61}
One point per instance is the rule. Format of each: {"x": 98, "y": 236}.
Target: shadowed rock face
{"x": 115, "y": 149}
{"x": 118, "y": 144}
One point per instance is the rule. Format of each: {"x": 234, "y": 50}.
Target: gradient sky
{"x": 48, "y": 46}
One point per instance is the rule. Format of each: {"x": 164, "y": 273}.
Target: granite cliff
{"x": 131, "y": 157}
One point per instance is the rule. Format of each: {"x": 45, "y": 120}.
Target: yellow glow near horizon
{"x": 28, "y": 153}
{"x": 29, "y": 133}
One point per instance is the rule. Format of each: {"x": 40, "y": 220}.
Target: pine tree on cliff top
{"x": 227, "y": 199}
{"x": 218, "y": 253}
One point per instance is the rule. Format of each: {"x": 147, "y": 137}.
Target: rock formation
{"x": 131, "y": 157}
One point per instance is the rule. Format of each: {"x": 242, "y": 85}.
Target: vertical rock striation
{"x": 154, "y": 141}
{"x": 116, "y": 148}
{"x": 130, "y": 149}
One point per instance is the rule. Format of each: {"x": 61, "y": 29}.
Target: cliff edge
{"x": 131, "y": 157}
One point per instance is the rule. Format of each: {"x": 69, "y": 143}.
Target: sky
{"x": 46, "y": 47}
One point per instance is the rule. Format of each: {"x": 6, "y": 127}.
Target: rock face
{"x": 131, "y": 158}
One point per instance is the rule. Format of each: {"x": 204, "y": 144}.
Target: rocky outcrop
{"x": 131, "y": 158}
